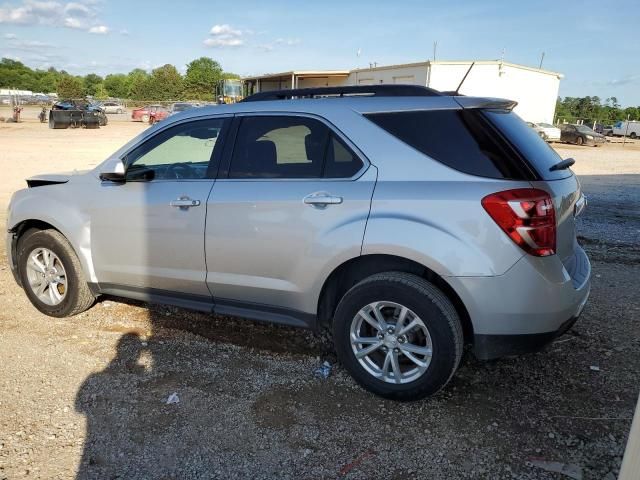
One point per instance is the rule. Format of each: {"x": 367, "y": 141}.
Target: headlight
{"x": 590, "y": 137}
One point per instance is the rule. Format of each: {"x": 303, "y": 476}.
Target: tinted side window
{"x": 340, "y": 162}
{"x": 279, "y": 147}
{"x": 178, "y": 153}
{"x": 534, "y": 149}
{"x": 459, "y": 139}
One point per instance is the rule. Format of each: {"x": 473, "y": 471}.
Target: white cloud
{"x": 223, "y": 42}
{"x": 224, "y": 35}
{"x": 287, "y": 42}
{"x": 124, "y": 32}
{"x": 81, "y": 16}
{"x": 9, "y": 36}
{"x": 99, "y": 29}
{"x": 225, "y": 29}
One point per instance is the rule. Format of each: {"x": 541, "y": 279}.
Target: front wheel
{"x": 51, "y": 274}
{"x": 145, "y": 118}
{"x": 579, "y": 141}
{"x": 398, "y": 336}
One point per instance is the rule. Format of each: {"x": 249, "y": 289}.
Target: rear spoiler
{"x": 485, "y": 103}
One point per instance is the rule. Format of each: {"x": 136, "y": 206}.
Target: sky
{"x": 593, "y": 44}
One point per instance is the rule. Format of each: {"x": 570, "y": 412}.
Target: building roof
{"x": 300, "y": 73}
{"x": 426, "y": 63}
{"x": 460, "y": 62}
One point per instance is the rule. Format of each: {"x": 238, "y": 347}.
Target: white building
{"x": 535, "y": 90}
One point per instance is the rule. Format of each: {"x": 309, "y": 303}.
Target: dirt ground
{"x": 86, "y": 397}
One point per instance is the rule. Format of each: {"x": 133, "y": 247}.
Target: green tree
{"x": 201, "y": 79}
{"x": 117, "y": 85}
{"x": 70, "y": 87}
{"x": 101, "y": 92}
{"x": 91, "y": 82}
{"x": 137, "y": 81}
{"x": 165, "y": 83}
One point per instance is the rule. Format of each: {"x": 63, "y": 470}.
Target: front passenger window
{"x": 183, "y": 152}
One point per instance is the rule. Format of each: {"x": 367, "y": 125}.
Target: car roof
{"x": 359, "y": 104}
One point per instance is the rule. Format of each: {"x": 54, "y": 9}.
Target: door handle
{"x": 321, "y": 200}
{"x": 184, "y": 202}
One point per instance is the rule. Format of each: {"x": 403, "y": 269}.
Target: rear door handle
{"x": 321, "y": 200}
{"x": 184, "y": 202}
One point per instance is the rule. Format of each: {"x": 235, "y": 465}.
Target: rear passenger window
{"x": 279, "y": 147}
{"x": 458, "y": 139}
{"x": 290, "y": 147}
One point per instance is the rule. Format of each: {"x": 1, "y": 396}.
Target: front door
{"x": 293, "y": 200}
{"x": 149, "y": 231}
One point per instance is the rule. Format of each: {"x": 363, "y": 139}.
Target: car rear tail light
{"x": 527, "y": 216}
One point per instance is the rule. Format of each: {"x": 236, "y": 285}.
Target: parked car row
{"x": 547, "y": 132}
{"x": 159, "y": 112}
{"x": 568, "y": 133}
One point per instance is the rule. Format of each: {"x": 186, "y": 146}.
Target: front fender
{"x": 55, "y": 205}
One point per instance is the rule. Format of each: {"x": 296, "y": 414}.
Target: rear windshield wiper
{"x": 563, "y": 165}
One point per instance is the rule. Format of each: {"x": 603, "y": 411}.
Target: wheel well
{"x": 353, "y": 271}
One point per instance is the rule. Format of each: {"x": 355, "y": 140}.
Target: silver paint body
{"x": 256, "y": 241}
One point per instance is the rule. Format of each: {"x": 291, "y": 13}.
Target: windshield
{"x": 546, "y": 125}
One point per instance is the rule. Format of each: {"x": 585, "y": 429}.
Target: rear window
{"x": 460, "y": 139}
{"x": 528, "y": 143}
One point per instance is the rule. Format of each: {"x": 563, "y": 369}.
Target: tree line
{"x": 594, "y": 110}
{"x": 163, "y": 83}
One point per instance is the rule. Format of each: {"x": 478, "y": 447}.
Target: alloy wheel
{"x": 391, "y": 342}
{"x": 47, "y": 276}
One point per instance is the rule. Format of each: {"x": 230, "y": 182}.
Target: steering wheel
{"x": 180, "y": 171}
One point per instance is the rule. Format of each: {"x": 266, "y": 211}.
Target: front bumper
{"x": 530, "y": 305}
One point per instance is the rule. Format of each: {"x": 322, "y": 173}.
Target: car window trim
{"x": 333, "y": 130}
{"x": 226, "y": 118}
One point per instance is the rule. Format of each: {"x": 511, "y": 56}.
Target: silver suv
{"x": 408, "y": 221}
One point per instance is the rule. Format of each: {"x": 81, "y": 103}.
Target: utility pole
{"x": 541, "y": 59}
{"x": 435, "y": 48}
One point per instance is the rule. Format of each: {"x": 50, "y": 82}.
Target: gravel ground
{"x": 87, "y": 397}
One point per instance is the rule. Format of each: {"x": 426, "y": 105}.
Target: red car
{"x": 142, "y": 114}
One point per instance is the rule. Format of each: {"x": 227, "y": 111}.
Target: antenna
{"x": 435, "y": 48}
{"x": 541, "y": 59}
{"x": 465, "y": 77}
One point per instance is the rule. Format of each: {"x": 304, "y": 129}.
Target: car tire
{"x": 632, "y": 135}
{"x": 391, "y": 294}
{"x": 579, "y": 141}
{"x": 144, "y": 118}
{"x": 73, "y": 296}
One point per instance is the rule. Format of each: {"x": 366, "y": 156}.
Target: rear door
{"x": 293, "y": 198}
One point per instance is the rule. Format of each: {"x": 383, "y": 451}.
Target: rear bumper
{"x": 531, "y": 304}
{"x": 487, "y": 347}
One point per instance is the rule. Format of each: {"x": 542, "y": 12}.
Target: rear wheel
{"x": 579, "y": 141}
{"x": 398, "y": 336}
{"x": 632, "y": 135}
{"x": 51, "y": 274}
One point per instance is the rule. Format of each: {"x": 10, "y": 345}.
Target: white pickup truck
{"x": 629, "y": 128}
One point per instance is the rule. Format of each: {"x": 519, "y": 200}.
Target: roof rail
{"x": 363, "y": 90}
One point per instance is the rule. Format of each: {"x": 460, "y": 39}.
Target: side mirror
{"x": 113, "y": 171}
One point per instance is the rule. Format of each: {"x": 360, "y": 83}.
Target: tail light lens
{"x": 527, "y": 216}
